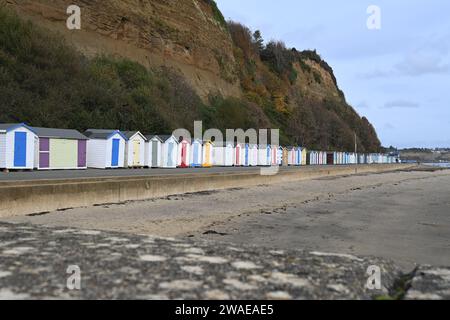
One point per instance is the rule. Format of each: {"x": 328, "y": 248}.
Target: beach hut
{"x": 196, "y": 153}
{"x": 316, "y": 158}
{"x": 298, "y": 157}
{"x": 239, "y": 154}
{"x": 264, "y": 155}
{"x": 135, "y": 149}
{"x": 274, "y": 155}
{"x": 208, "y": 159}
{"x": 223, "y": 154}
{"x": 294, "y": 160}
{"x": 105, "y": 149}
{"x": 331, "y": 158}
{"x": 184, "y": 154}
{"x": 153, "y": 151}
{"x": 308, "y": 158}
{"x": 291, "y": 155}
{"x": 253, "y": 155}
{"x": 169, "y": 151}
{"x": 285, "y": 157}
{"x": 17, "y": 146}
{"x": 280, "y": 156}
{"x": 60, "y": 149}
{"x": 269, "y": 155}
{"x": 304, "y": 156}
{"x": 245, "y": 155}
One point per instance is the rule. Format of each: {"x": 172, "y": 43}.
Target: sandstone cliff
{"x": 183, "y": 34}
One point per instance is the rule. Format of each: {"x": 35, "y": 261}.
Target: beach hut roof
{"x": 131, "y": 134}
{"x": 151, "y": 137}
{"x": 102, "y": 134}
{"x": 58, "y": 133}
{"x": 223, "y": 143}
{"x": 165, "y": 137}
{"x": 4, "y": 127}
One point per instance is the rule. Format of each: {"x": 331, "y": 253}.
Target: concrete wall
{"x": 29, "y": 197}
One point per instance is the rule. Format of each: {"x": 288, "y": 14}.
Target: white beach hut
{"x": 135, "y": 149}
{"x": 169, "y": 151}
{"x": 153, "y": 151}
{"x": 298, "y": 156}
{"x": 291, "y": 156}
{"x": 197, "y": 153}
{"x": 264, "y": 155}
{"x": 223, "y": 154}
{"x": 280, "y": 156}
{"x": 17, "y": 146}
{"x": 105, "y": 149}
{"x": 239, "y": 154}
{"x": 253, "y": 155}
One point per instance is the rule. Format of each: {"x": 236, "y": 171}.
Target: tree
{"x": 258, "y": 40}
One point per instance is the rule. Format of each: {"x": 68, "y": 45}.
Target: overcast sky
{"x": 398, "y": 76}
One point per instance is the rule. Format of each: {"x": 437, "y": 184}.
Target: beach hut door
{"x": 246, "y": 155}
{"x": 207, "y": 154}
{"x": 136, "y": 152}
{"x": 20, "y": 149}
{"x": 154, "y": 154}
{"x": 195, "y": 154}
{"x": 170, "y": 155}
{"x": 184, "y": 162}
{"x": 115, "y": 153}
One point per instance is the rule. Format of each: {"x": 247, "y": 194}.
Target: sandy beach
{"x": 403, "y": 216}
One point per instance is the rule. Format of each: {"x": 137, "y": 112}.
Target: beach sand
{"x": 403, "y": 216}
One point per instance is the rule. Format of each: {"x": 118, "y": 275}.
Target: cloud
{"x": 419, "y": 64}
{"x": 362, "y": 105}
{"x": 400, "y": 104}
{"x": 413, "y": 65}
{"x": 389, "y": 126}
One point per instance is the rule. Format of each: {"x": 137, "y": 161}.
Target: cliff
{"x": 182, "y": 34}
{"x": 198, "y": 67}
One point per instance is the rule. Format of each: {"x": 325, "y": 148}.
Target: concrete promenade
{"x": 58, "y": 190}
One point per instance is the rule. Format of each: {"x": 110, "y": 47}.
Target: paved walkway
{"x": 34, "y": 262}
{"x": 98, "y": 173}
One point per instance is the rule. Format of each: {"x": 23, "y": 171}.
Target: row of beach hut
{"x": 25, "y": 147}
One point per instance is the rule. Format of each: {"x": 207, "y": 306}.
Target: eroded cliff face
{"x": 183, "y": 34}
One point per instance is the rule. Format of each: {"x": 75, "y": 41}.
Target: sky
{"x": 398, "y": 76}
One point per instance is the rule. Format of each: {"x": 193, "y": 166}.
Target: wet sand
{"x": 404, "y": 216}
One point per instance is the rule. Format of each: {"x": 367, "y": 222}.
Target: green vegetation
{"x": 216, "y": 13}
